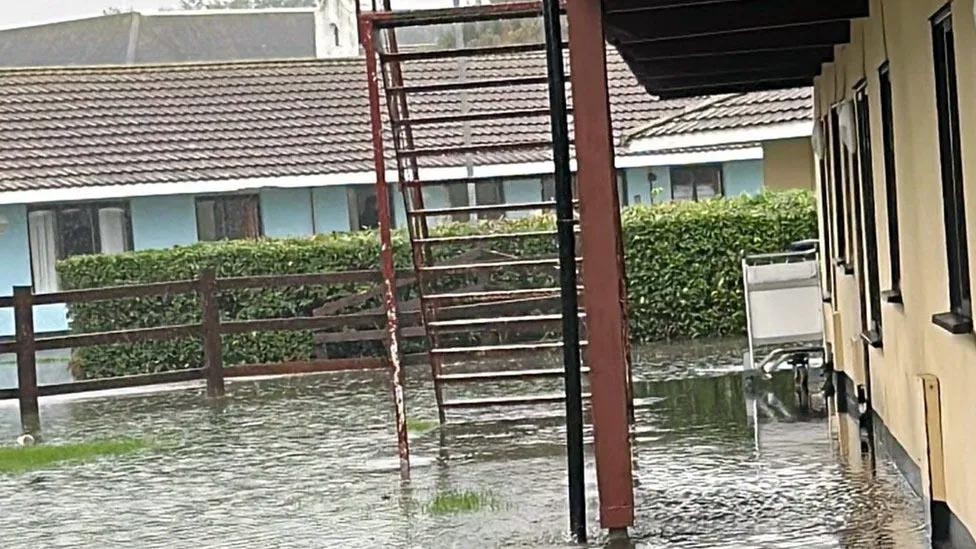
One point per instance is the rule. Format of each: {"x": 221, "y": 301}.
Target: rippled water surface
{"x": 310, "y": 462}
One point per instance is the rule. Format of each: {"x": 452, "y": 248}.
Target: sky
{"x": 20, "y": 13}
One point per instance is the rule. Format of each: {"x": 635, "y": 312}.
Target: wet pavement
{"x": 310, "y": 462}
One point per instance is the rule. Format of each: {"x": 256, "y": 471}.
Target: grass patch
{"x": 462, "y": 501}
{"x": 22, "y": 460}
{"x": 420, "y": 426}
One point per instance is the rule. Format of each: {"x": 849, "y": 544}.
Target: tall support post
{"x": 30, "y": 417}
{"x": 213, "y": 355}
{"x": 567, "y": 269}
{"x": 604, "y": 293}
{"x": 388, "y": 268}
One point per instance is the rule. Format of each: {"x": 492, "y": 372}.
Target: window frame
{"x": 826, "y": 220}
{"x": 92, "y": 208}
{"x": 694, "y": 188}
{"x": 871, "y": 322}
{"x": 893, "y": 294}
{"x": 959, "y": 318}
{"x": 839, "y": 194}
{"x": 216, "y": 198}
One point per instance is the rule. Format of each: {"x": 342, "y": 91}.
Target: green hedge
{"x": 682, "y": 267}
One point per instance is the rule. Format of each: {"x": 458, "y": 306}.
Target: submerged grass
{"x": 462, "y": 501}
{"x": 420, "y": 426}
{"x": 22, "y": 460}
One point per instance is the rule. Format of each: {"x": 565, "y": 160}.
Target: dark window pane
{"x": 228, "y": 217}
{"x": 870, "y": 236}
{"x": 76, "y": 230}
{"x": 488, "y": 193}
{"x": 840, "y": 197}
{"x": 457, "y": 197}
{"x": 891, "y": 179}
{"x": 696, "y": 182}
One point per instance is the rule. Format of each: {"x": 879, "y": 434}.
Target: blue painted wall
{"x": 330, "y": 206}
{"x": 160, "y": 222}
{"x": 742, "y": 177}
{"x": 639, "y": 188}
{"x": 16, "y": 271}
{"x": 286, "y": 213}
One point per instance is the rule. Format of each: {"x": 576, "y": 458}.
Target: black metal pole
{"x": 565, "y": 224}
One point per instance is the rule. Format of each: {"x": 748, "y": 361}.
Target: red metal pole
{"x": 386, "y": 247}
{"x": 604, "y": 294}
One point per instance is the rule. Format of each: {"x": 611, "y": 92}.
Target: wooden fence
{"x": 357, "y": 327}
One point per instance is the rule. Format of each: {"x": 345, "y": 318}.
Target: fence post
{"x": 30, "y": 417}
{"x": 210, "y": 324}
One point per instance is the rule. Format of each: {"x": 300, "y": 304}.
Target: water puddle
{"x": 310, "y": 462}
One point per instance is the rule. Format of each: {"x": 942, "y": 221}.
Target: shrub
{"x": 683, "y": 274}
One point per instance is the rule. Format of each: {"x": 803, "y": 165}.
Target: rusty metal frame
{"x": 604, "y": 293}
{"x": 387, "y": 266}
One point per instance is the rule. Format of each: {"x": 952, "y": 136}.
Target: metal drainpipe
{"x": 567, "y": 269}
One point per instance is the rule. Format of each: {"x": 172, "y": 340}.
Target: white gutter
{"x": 459, "y": 173}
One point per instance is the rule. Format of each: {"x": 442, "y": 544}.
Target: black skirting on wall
{"x": 947, "y": 530}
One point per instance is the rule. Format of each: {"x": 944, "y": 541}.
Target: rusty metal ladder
{"x": 466, "y": 300}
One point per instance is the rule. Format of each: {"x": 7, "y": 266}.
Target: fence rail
{"x": 355, "y": 327}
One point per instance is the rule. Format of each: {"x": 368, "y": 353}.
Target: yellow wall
{"x": 788, "y": 164}
{"x": 912, "y": 344}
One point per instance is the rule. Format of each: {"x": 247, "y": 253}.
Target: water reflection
{"x": 310, "y": 462}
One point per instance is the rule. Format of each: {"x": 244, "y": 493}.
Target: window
{"x": 696, "y": 182}
{"x": 872, "y": 321}
{"x": 825, "y": 211}
{"x": 363, "y": 213}
{"x": 891, "y": 187}
{"x": 60, "y": 232}
{"x": 229, "y": 217}
{"x": 950, "y": 150}
{"x": 487, "y": 193}
{"x": 458, "y": 196}
{"x": 836, "y": 159}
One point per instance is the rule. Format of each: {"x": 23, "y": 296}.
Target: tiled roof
{"x": 733, "y": 111}
{"x": 71, "y": 127}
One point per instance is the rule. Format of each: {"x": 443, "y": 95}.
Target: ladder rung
{"x": 455, "y": 15}
{"x": 507, "y": 375}
{"x": 482, "y": 237}
{"x": 515, "y": 264}
{"x": 494, "y": 295}
{"x": 507, "y": 401}
{"x": 472, "y": 117}
{"x": 492, "y": 349}
{"x": 464, "y": 52}
{"x": 478, "y": 148}
{"x": 507, "y": 207}
{"x": 502, "y": 320}
{"x": 470, "y": 84}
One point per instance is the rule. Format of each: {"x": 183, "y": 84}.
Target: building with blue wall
{"x": 282, "y": 149}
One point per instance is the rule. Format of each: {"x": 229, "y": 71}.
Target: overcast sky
{"x": 19, "y": 13}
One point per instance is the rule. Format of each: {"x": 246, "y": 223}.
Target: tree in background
{"x": 494, "y": 33}
{"x": 244, "y": 4}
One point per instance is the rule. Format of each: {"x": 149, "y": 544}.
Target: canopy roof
{"x": 680, "y": 48}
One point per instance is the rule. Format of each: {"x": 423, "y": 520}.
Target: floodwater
{"x": 310, "y": 462}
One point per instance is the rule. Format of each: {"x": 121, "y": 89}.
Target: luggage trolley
{"x": 784, "y": 310}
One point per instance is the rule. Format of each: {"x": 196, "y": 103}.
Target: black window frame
{"x": 871, "y": 279}
{"x": 959, "y": 318}
{"x": 694, "y": 188}
{"x": 840, "y": 215}
{"x": 220, "y": 204}
{"x": 893, "y": 294}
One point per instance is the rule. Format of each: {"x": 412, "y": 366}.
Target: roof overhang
{"x": 679, "y": 48}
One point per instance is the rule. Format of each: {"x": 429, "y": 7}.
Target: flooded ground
{"x": 310, "y": 462}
